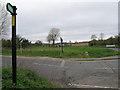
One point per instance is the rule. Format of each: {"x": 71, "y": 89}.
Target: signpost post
{"x": 12, "y": 10}
{"x": 61, "y": 44}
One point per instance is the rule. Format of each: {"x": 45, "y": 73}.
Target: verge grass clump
{"x": 25, "y": 79}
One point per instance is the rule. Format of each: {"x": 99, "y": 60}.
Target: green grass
{"x": 25, "y": 79}
{"x": 69, "y": 52}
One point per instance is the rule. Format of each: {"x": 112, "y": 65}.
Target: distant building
{"x": 80, "y": 44}
{"x": 69, "y": 44}
{"x": 76, "y": 44}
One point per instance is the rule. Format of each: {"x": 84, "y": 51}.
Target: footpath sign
{"x": 12, "y": 10}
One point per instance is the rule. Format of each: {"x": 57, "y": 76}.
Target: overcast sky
{"x": 77, "y": 21}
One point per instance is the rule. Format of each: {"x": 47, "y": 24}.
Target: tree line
{"x": 113, "y": 40}
{"x": 20, "y": 42}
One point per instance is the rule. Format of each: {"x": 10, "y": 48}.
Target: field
{"x": 69, "y": 52}
{"x": 25, "y": 79}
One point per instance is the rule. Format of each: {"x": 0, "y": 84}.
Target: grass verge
{"x": 69, "y": 52}
{"x": 25, "y": 79}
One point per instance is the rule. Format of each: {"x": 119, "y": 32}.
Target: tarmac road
{"x": 115, "y": 49}
{"x": 70, "y": 73}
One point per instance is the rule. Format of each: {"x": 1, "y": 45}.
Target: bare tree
{"x": 53, "y": 35}
{"x": 102, "y": 36}
{"x": 4, "y": 22}
{"x": 93, "y": 37}
{"x": 49, "y": 39}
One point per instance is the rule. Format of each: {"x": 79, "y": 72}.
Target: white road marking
{"x": 89, "y": 86}
{"x": 46, "y": 64}
{"x": 62, "y": 63}
{"x": 107, "y": 68}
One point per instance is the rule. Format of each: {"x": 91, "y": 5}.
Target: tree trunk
{"x": 53, "y": 42}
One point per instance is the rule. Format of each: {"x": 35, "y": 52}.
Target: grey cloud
{"x": 76, "y": 20}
